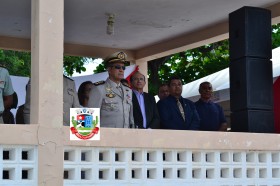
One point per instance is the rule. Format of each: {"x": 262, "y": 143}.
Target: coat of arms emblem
{"x": 84, "y": 123}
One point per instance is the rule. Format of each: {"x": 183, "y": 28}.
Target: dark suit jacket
{"x": 152, "y": 116}
{"x": 171, "y": 118}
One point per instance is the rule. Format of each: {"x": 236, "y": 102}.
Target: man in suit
{"x": 145, "y": 111}
{"x": 163, "y": 91}
{"x": 112, "y": 97}
{"x": 176, "y": 112}
{"x": 70, "y": 100}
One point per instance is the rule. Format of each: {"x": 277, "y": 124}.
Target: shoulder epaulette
{"x": 68, "y": 78}
{"x": 126, "y": 85}
{"x": 99, "y": 83}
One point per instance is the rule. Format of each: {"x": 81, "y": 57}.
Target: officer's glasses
{"x": 119, "y": 67}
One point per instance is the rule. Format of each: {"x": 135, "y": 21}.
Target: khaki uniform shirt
{"x": 70, "y": 100}
{"x": 115, "y": 104}
{"x": 6, "y": 89}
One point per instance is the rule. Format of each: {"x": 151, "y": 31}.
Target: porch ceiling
{"x": 139, "y": 25}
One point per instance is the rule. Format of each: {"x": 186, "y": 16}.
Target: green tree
{"x": 191, "y": 64}
{"x": 275, "y": 36}
{"x": 100, "y": 68}
{"x": 196, "y": 63}
{"x": 74, "y": 63}
{"x": 19, "y": 63}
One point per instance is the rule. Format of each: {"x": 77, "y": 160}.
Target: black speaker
{"x": 250, "y": 33}
{"x": 258, "y": 121}
{"x": 251, "y": 84}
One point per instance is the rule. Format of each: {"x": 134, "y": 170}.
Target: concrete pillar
{"x": 47, "y": 87}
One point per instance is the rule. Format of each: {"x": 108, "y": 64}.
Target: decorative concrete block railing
{"x": 138, "y": 166}
{"x": 18, "y": 165}
{"x": 135, "y": 166}
{"x": 137, "y": 157}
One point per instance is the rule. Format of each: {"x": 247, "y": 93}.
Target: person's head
{"x": 138, "y": 81}
{"x": 84, "y": 92}
{"x": 125, "y": 82}
{"x": 115, "y": 65}
{"x": 205, "y": 90}
{"x": 163, "y": 91}
{"x": 175, "y": 86}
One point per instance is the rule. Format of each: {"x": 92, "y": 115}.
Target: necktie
{"x": 181, "y": 108}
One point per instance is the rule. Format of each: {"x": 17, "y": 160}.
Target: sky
{"x": 90, "y": 66}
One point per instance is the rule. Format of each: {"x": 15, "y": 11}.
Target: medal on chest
{"x": 109, "y": 92}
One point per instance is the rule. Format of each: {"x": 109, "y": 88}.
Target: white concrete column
{"x": 143, "y": 68}
{"x": 47, "y": 87}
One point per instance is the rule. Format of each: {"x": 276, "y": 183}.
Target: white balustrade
{"x": 18, "y": 165}
{"x": 157, "y": 167}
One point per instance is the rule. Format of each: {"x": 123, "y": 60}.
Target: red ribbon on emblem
{"x": 73, "y": 130}
{"x": 95, "y": 130}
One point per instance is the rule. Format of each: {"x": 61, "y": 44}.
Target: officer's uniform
{"x": 70, "y": 100}
{"x": 115, "y": 104}
{"x": 6, "y": 89}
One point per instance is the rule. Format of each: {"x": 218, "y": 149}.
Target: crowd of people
{"x": 124, "y": 104}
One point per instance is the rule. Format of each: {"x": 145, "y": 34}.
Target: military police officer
{"x": 112, "y": 97}
{"x": 6, "y": 91}
{"x": 70, "y": 100}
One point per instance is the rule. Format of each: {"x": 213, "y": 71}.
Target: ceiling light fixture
{"x": 110, "y": 24}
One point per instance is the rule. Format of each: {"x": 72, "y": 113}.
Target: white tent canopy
{"x": 220, "y": 81}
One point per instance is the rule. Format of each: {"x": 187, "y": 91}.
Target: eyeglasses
{"x": 119, "y": 67}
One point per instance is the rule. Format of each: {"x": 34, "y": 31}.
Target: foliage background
{"x": 194, "y": 64}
